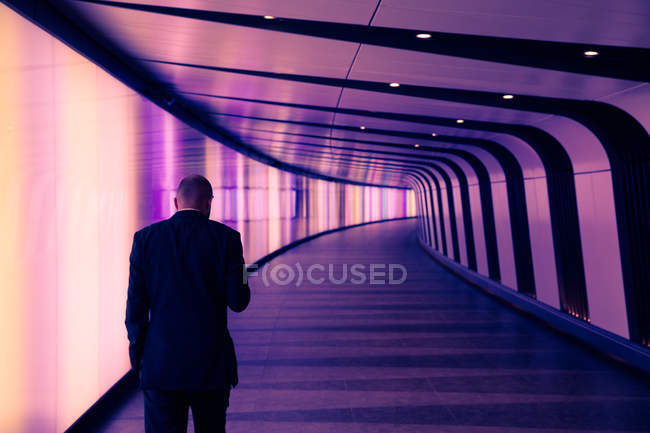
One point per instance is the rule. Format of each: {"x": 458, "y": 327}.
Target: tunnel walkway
{"x": 430, "y": 354}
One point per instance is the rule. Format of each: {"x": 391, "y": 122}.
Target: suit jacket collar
{"x": 188, "y": 213}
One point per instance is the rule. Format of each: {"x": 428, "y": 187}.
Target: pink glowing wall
{"x": 84, "y": 162}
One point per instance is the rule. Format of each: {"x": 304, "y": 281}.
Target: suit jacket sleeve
{"x": 238, "y": 294}
{"x": 137, "y": 304}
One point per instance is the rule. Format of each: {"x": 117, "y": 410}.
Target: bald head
{"x": 194, "y": 191}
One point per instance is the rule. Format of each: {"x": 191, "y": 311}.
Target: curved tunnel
{"x": 516, "y": 133}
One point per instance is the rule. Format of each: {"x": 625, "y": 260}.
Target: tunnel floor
{"x": 432, "y": 354}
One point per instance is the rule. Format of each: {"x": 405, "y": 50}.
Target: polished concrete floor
{"x": 431, "y": 354}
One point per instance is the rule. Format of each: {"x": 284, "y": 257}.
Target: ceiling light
{"x": 433, "y": 134}
{"x": 416, "y": 145}
{"x": 591, "y": 53}
{"x": 269, "y": 17}
{"x": 460, "y": 121}
{"x": 423, "y": 35}
{"x": 362, "y": 127}
{"x": 508, "y": 96}
{"x": 394, "y": 84}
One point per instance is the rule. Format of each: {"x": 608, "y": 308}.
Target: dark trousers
{"x": 166, "y": 411}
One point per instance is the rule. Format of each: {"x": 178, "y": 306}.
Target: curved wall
{"x": 576, "y": 263}
{"x": 84, "y": 162}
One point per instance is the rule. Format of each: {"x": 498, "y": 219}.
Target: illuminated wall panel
{"x": 84, "y": 162}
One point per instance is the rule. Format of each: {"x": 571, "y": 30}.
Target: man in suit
{"x": 184, "y": 271}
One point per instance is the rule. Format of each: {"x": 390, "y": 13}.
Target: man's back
{"x": 185, "y": 271}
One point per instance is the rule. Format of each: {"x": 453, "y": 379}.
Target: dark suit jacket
{"x": 184, "y": 272}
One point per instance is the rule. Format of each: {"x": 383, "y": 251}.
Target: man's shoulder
{"x": 229, "y": 231}
{"x": 144, "y": 231}
{"x": 216, "y": 225}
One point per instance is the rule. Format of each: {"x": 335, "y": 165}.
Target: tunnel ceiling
{"x": 308, "y": 83}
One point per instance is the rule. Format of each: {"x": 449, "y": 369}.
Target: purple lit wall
{"x": 84, "y": 162}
